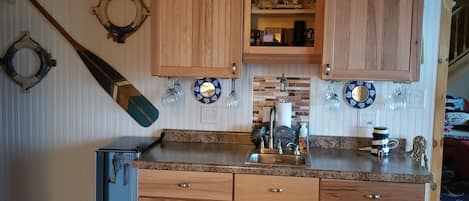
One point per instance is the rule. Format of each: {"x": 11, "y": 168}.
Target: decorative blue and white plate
{"x": 350, "y": 93}
{"x": 207, "y": 90}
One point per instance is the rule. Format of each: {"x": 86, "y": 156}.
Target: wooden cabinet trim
{"x": 416, "y": 46}
{"x": 283, "y": 59}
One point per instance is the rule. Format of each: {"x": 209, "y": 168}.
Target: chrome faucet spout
{"x": 272, "y": 127}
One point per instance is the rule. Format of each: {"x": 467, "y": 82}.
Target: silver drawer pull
{"x": 276, "y": 190}
{"x": 184, "y": 185}
{"x": 373, "y": 196}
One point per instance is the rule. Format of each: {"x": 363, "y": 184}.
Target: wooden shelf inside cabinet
{"x": 281, "y": 24}
{"x": 307, "y": 11}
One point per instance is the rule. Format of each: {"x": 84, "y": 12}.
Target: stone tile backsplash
{"x": 266, "y": 92}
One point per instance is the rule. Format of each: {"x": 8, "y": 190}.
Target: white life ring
{"x": 120, "y": 33}
{"x": 46, "y": 63}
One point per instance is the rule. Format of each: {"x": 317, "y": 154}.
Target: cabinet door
{"x": 159, "y": 185}
{"x": 275, "y": 188}
{"x": 158, "y": 199}
{"x": 339, "y": 190}
{"x": 196, "y": 38}
{"x": 372, "y": 40}
{"x": 166, "y": 199}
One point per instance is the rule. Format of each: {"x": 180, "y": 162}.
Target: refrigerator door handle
{"x": 116, "y": 163}
{"x": 126, "y": 173}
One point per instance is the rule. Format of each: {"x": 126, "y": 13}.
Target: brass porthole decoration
{"x": 120, "y": 33}
{"x": 45, "y": 62}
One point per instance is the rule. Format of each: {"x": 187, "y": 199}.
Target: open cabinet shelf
{"x": 283, "y": 36}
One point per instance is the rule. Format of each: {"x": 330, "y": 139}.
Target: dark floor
{"x": 453, "y": 187}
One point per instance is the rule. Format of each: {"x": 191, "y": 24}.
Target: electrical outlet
{"x": 208, "y": 115}
{"x": 367, "y": 119}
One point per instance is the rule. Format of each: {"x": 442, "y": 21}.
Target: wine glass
{"x": 398, "y": 98}
{"x": 174, "y": 93}
{"x": 332, "y": 101}
{"x": 232, "y": 101}
{"x": 178, "y": 89}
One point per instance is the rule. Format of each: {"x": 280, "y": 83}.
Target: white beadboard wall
{"x": 48, "y": 136}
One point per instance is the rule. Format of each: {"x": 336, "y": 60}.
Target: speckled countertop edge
{"x": 285, "y": 171}
{"x": 184, "y": 136}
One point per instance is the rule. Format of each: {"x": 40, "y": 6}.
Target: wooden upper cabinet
{"x": 262, "y": 18}
{"x": 196, "y": 38}
{"x": 372, "y": 40}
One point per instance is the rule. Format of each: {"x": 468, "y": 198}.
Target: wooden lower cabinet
{"x": 162, "y": 185}
{"x": 275, "y": 188}
{"x": 341, "y": 190}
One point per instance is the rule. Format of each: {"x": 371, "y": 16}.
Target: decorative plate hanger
{"x": 360, "y": 94}
{"x": 207, "y": 90}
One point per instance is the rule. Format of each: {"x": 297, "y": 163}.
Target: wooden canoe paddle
{"x": 121, "y": 90}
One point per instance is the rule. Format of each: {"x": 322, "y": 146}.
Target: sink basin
{"x": 256, "y": 158}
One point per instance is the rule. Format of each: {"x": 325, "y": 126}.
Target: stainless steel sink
{"x": 275, "y": 159}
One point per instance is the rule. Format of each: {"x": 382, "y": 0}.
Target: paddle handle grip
{"x": 59, "y": 28}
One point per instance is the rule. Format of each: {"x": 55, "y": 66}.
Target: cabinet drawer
{"x": 275, "y": 188}
{"x": 164, "y": 199}
{"x": 339, "y": 190}
{"x": 185, "y": 185}
{"x": 160, "y": 199}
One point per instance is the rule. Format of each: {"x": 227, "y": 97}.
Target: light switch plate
{"x": 208, "y": 115}
{"x": 367, "y": 119}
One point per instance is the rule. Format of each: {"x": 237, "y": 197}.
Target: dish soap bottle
{"x": 303, "y": 138}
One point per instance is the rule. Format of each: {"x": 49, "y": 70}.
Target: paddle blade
{"x": 137, "y": 104}
{"x": 121, "y": 90}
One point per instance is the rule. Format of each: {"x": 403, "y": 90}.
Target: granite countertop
{"x": 224, "y": 153}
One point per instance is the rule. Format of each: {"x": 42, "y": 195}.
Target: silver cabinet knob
{"x": 328, "y": 69}
{"x": 184, "y": 185}
{"x": 373, "y": 196}
{"x": 276, "y": 190}
{"x": 234, "y": 69}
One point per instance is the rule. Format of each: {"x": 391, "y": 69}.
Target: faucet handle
{"x": 279, "y": 147}
{"x": 297, "y": 150}
{"x": 291, "y": 146}
{"x": 262, "y": 144}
